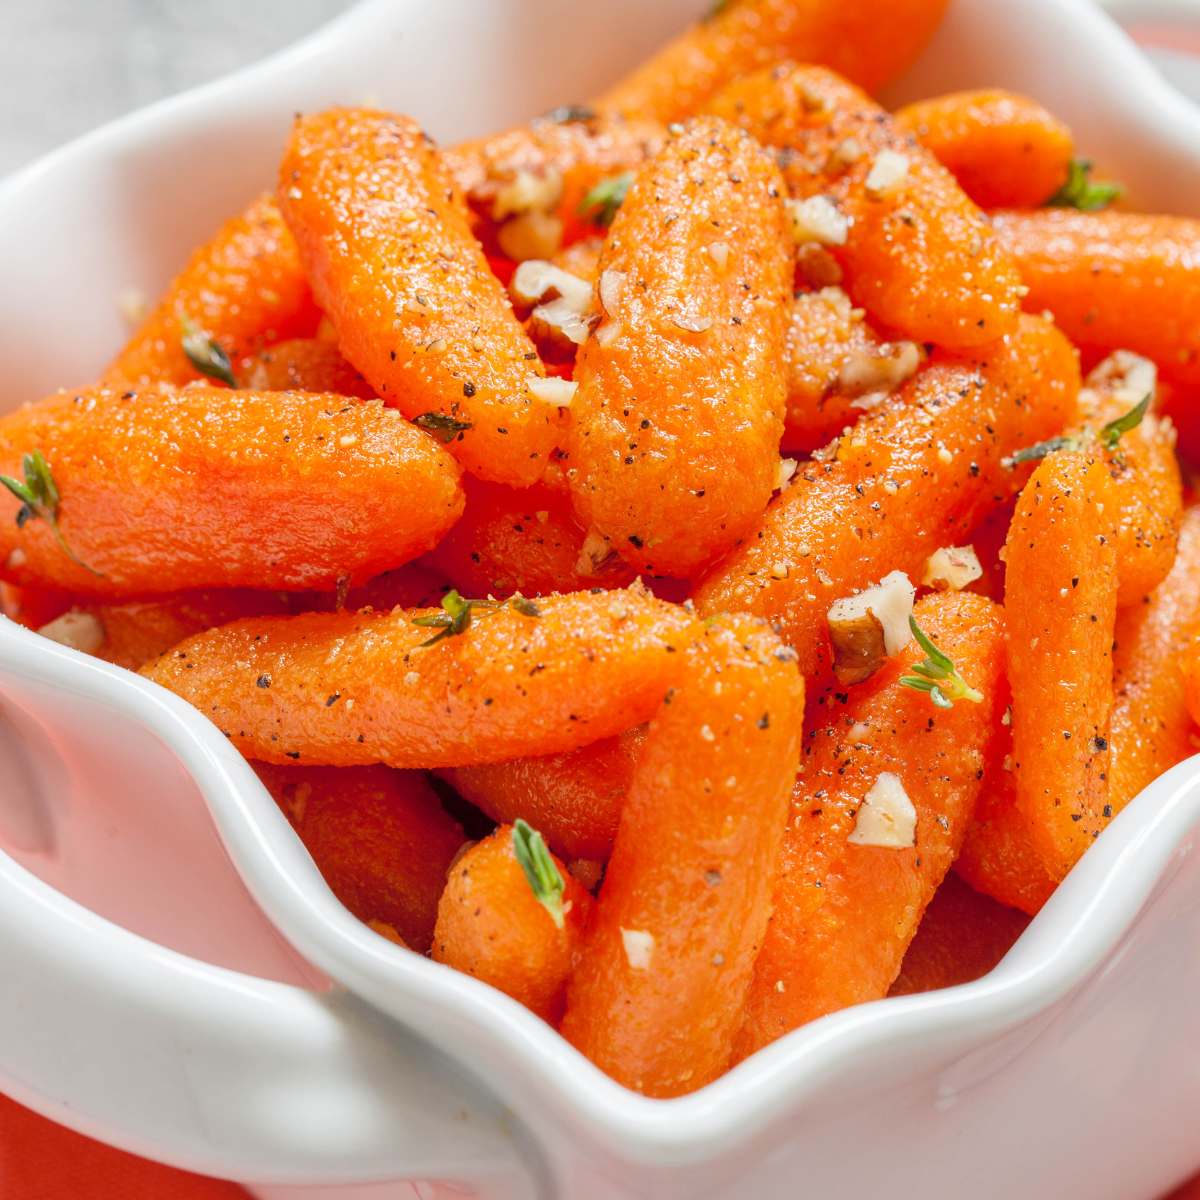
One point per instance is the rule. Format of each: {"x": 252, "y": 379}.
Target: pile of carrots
{"x": 654, "y": 554}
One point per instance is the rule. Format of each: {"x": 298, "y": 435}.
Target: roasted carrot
{"x": 870, "y": 43}
{"x": 916, "y": 253}
{"x": 1113, "y": 281}
{"x": 1005, "y": 150}
{"x": 962, "y": 936}
{"x": 525, "y": 540}
{"x": 672, "y": 445}
{"x": 384, "y": 237}
{"x": 1060, "y": 603}
{"x": 1190, "y": 664}
{"x": 344, "y": 689}
{"x": 303, "y": 365}
{"x": 886, "y": 789}
{"x": 573, "y": 799}
{"x": 917, "y": 473}
{"x": 244, "y": 289}
{"x": 34, "y": 607}
{"x": 379, "y": 837}
{"x": 658, "y": 994}
{"x": 162, "y": 490}
{"x": 520, "y": 935}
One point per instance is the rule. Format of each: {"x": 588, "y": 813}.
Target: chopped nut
{"x": 707, "y": 734}
{"x": 534, "y": 234}
{"x": 787, "y": 469}
{"x": 610, "y": 287}
{"x": 945, "y": 455}
{"x": 411, "y": 679}
{"x": 528, "y": 192}
{"x": 887, "y": 175}
{"x": 780, "y": 570}
{"x": 861, "y": 373}
{"x": 349, "y": 439}
{"x": 639, "y": 948}
{"x": 552, "y": 390}
{"x": 870, "y": 627}
{"x": 719, "y": 253}
{"x": 608, "y": 332}
{"x": 887, "y": 817}
{"x": 952, "y": 568}
{"x": 845, "y": 154}
{"x": 617, "y": 610}
{"x": 79, "y": 631}
{"x": 817, "y": 219}
{"x": 690, "y": 323}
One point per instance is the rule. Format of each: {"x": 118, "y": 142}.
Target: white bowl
{"x": 147, "y": 1001}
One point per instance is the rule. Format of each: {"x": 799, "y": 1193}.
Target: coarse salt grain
{"x": 707, "y": 734}
{"x": 349, "y": 439}
{"x": 411, "y": 679}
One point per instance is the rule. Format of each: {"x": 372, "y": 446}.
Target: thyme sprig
{"x": 443, "y": 427}
{"x": 203, "y": 352}
{"x": 600, "y": 205}
{"x": 1084, "y": 193}
{"x": 459, "y": 613}
{"x": 39, "y": 498}
{"x": 936, "y": 674}
{"x": 1109, "y": 436}
{"x": 545, "y": 879}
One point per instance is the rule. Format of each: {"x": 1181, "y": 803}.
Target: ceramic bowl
{"x": 148, "y": 1001}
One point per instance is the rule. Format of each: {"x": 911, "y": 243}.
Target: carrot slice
{"x": 379, "y": 837}
{"x": 658, "y": 994}
{"x": 846, "y": 907}
{"x": 492, "y": 923}
{"x": 245, "y": 288}
{"x": 1005, "y": 150}
{"x": 870, "y": 43}
{"x": 673, "y": 443}
{"x": 384, "y": 237}
{"x": 1113, "y": 281}
{"x": 206, "y": 487}
{"x": 302, "y": 364}
{"x": 915, "y": 474}
{"x": 343, "y": 689}
{"x": 1060, "y": 602}
{"x": 916, "y": 253}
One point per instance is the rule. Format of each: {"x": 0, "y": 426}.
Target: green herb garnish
{"x": 936, "y": 674}
{"x": 1083, "y": 193}
{"x": 544, "y": 877}
{"x": 1109, "y": 437}
{"x": 601, "y": 203}
{"x": 444, "y": 428}
{"x": 39, "y": 498}
{"x": 203, "y": 353}
{"x": 459, "y": 614}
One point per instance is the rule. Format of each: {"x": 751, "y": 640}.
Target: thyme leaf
{"x": 545, "y": 879}
{"x": 1110, "y": 435}
{"x": 39, "y": 498}
{"x": 600, "y": 205}
{"x": 1083, "y": 193}
{"x": 444, "y": 428}
{"x": 936, "y": 674}
{"x": 203, "y": 352}
{"x": 459, "y": 613}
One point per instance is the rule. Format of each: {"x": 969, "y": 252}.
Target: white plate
{"x": 1069, "y": 1071}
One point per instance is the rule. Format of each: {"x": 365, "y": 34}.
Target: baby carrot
{"x": 1113, "y": 280}
{"x": 853, "y": 884}
{"x": 1190, "y": 665}
{"x": 525, "y": 540}
{"x": 869, "y": 42}
{"x": 379, "y": 837}
{"x": 519, "y": 934}
{"x": 673, "y": 439}
{"x": 343, "y": 689}
{"x": 1060, "y": 603}
{"x": 160, "y": 490}
{"x": 573, "y": 799}
{"x": 962, "y": 936}
{"x": 658, "y": 994}
{"x": 304, "y": 365}
{"x": 384, "y": 237}
{"x": 916, "y": 253}
{"x": 1005, "y": 150}
{"x": 917, "y": 473}
{"x": 244, "y": 289}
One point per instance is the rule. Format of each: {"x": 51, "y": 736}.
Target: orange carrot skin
{"x": 692, "y": 868}
{"x": 890, "y": 499}
{"x": 921, "y": 259}
{"x": 1154, "y": 676}
{"x": 348, "y": 689}
{"x": 491, "y": 925}
{"x": 245, "y": 288}
{"x": 673, "y": 441}
{"x": 365, "y": 195}
{"x": 1113, "y": 281}
{"x": 1060, "y": 602}
{"x": 843, "y": 942}
{"x": 302, "y": 365}
{"x": 33, "y": 607}
{"x": 138, "y": 630}
{"x": 869, "y": 43}
{"x": 207, "y": 487}
{"x": 1190, "y": 665}
{"x": 962, "y": 936}
{"x": 574, "y": 800}
{"x": 1005, "y": 150}
{"x": 379, "y": 837}
{"x": 526, "y": 540}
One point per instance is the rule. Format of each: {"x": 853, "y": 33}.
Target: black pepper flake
{"x": 637, "y": 541}
{"x": 292, "y": 753}
{"x": 468, "y": 388}
{"x": 764, "y": 721}
{"x": 333, "y": 699}
{"x": 263, "y": 681}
